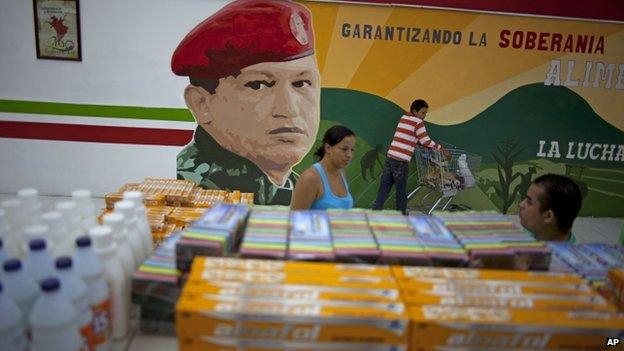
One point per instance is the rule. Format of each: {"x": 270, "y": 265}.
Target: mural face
{"x": 269, "y": 114}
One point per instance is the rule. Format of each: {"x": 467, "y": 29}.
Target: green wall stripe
{"x": 83, "y": 110}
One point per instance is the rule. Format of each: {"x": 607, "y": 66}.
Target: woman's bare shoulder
{"x": 309, "y": 176}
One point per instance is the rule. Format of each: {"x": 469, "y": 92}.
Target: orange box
{"x": 183, "y": 216}
{"x": 492, "y": 287}
{"x": 537, "y": 302}
{"x": 615, "y": 287}
{"x": 513, "y": 329}
{"x": 290, "y": 291}
{"x": 326, "y": 321}
{"x": 297, "y": 278}
{"x": 451, "y": 348}
{"x": 486, "y": 274}
{"x": 201, "y": 263}
{"x": 213, "y": 343}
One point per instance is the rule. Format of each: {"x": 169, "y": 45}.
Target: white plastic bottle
{"x": 12, "y": 334}
{"x": 126, "y": 208}
{"x": 38, "y": 262}
{"x": 76, "y": 291}
{"x": 124, "y": 252}
{"x": 143, "y": 226}
{"x": 54, "y": 320}
{"x": 104, "y": 246}
{"x": 89, "y": 267}
{"x": 60, "y": 244}
{"x": 86, "y": 209}
{"x": 30, "y": 205}
{"x": 9, "y": 241}
{"x": 3, "y": 254}
{"x": 20, "y": 287}
{"x": 71, "y": 218}
{"x": 14, "y": 216}
{"x": 37, "y": 231}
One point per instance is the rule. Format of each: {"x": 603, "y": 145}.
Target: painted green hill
{"x": 527, "y": 115}
{"x": 371, "y": 117}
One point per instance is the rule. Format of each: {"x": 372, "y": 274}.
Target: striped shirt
{"x": 409, "y": 132}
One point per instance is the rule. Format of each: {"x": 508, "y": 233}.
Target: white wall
{"x": 126, "y": 55}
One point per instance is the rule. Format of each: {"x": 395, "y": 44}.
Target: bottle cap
{"x": 102, "y": 238}
{"x": 83, "y": 241}
{"x": 69, "y": 209}
{"x": 37, "y": 244}
{"x": 54, "y": 220}
{"x": 116, "y": 222}
{"x": 50, "y": 284}
{"x": 126, "y": 208}
{"x": 63, "y": 262}
{"x": 12, "y": 265}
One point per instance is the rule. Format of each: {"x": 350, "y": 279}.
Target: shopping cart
{"x": 444, "y": 176}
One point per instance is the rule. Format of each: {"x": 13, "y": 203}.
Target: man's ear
{"x": 197, "y": 100}
{"x": 549, "y": 216}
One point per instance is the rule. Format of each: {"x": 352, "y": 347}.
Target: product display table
{"x": 141, "y": 342}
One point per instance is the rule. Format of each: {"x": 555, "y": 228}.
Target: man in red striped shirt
{"x": 409, "y": 133}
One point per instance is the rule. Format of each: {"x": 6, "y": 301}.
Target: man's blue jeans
{"x": 394, "y": 172}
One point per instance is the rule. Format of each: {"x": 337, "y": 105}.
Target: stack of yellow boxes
{"x": 235, "y": 304}
{"x": 470, "y": 309}
{"x": 172, "y": 204}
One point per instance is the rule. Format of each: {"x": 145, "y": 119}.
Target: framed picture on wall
{"x": 57, "y": 29}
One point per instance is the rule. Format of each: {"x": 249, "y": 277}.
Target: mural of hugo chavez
{"x": 255, "y": 94}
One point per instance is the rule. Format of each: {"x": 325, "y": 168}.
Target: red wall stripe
{"x": 608, "y": 10}
{"x": 96, "y": 134}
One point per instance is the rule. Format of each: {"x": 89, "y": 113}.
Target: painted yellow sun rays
{"x": 458, "y": 81}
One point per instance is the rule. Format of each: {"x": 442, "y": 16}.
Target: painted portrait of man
{"x": 254, "y": 92}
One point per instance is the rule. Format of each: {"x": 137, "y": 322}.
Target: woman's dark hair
{"x": 333, "y": 136}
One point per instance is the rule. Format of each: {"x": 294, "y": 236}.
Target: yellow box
{"x": 311, "y": 321}
{"x": 485, "y": 274}
{"x": 214, "y": 343}
{"x": 183, "y": 216}
{"x": 451, "y": 348}
{"x": 201, "y": 263}
{"x": 291, "y": 291}
{"x": 297, "y": 278}
{"x": 537, "y": 302}
{"x": 492, "y": 287}
{"x": 503, "y": 329}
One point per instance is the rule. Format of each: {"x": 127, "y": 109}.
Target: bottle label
{"x": 101, "y": 325}
{"x": 86, "y": 336}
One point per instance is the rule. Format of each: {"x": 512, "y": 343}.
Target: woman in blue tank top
{"x": 323, "y": 185}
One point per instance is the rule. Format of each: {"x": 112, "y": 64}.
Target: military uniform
{"x": 206, "y": 163}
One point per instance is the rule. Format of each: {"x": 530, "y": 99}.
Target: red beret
{"x": 242, "y": 34}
